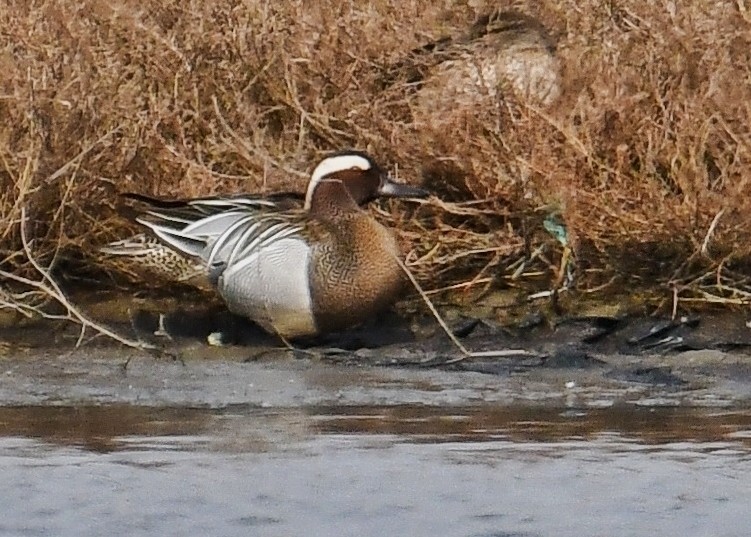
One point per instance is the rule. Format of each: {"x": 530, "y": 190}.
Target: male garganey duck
{"x": 295, "y": 271}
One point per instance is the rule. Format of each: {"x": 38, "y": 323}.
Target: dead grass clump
{"x": 644, "y": 156}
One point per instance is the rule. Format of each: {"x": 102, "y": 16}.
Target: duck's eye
{"x": 355, "y": 168}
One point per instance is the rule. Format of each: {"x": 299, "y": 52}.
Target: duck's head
{"x": 350, "y": 179}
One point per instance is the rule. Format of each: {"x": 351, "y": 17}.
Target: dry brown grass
{"x": 646, "y": 151}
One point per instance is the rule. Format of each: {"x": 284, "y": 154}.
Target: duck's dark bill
{"x": 400, "y": 190}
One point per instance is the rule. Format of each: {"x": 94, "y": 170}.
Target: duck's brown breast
{"x": 355, "y": 273}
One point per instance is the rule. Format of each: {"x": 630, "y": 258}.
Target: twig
{"x": 466, "y": 353}
{"x": 50, "y": 287}
{"x": 460, "y": 285}
{"x": 251, "y": 150}
{"x": 75, "y": 161}
{"x": 462, "y": 208}
{"x": 710, "y": 232}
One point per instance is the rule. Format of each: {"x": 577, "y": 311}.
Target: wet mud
{"x": 701, "y": 360}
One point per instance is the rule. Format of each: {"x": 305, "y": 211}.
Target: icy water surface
{"x": 401, "y": 470}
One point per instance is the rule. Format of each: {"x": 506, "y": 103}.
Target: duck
{"x": 296, "y": 271}
{"x": 505, "y": 54}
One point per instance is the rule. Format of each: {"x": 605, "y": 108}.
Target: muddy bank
{"x": 221, "y": 378}
{"x": 594, "y": 360}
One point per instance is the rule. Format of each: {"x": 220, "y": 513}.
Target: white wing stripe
{"x": 252, "y": 242}
{"x": 226, "y": 236}
{"x": 246, "y": 244}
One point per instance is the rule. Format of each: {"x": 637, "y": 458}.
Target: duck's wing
{"x": 191, "y": 225}
{"x": 221, "y": 231}
{"x": 189, "y": 210}
{"x": 247, "y": 237}
{"x": 513, "y": 24}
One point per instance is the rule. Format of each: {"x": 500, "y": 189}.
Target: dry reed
{"x": 644, "y": 157}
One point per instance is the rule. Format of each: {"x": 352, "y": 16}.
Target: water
{"x": 487, "y": 470}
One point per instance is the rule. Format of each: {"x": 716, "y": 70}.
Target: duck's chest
{"x": 355, "y": 276}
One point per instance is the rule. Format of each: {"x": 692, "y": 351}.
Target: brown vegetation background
{"x": 645, "y": 156}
